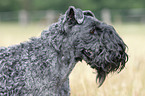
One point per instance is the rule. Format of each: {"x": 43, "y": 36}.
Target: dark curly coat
{"x": 40, "y": 67}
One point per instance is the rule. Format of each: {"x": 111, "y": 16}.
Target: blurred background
{"x": 22, "y": 19}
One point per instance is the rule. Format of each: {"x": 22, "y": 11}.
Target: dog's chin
{"x": 101, "y": 74}
{"x": 104, "y": 66}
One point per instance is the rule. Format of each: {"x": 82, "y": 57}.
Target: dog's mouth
{"x": 87, "y": 53}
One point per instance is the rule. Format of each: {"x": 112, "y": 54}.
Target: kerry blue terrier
{"x": 41, "y": 66}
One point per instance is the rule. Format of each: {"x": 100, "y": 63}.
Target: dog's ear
{"x": 88, "y": 13}
{"x": 73, "y": 15}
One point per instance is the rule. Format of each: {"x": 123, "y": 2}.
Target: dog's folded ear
{"x": 73, "y": 15}
{"x": 88, "y": 13}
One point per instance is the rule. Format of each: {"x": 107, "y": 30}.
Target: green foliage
{"x": 9, "y": 5}
{"x": 62, "y": 5}
{"x": 49, "y": 4}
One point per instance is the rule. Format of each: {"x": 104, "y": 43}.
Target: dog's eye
{"x": 93, "y": 31}
{"x": 96, "y": 31}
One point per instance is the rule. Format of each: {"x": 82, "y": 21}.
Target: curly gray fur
{"x": 35, "y": 67}
{"x": 41, "y": 66}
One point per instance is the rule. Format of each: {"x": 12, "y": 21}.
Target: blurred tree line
{"x": 62, "y": 5}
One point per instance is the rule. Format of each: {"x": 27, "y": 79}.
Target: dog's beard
{"x": 110, "y": 57}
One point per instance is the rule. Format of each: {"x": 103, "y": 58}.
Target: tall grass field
{"x": 129, "y": 82}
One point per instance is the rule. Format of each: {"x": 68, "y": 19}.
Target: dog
{"x": 41, "y": 66}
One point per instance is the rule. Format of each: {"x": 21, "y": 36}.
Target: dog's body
{"x": 35, "y": 67}
{"x": 40, "y": 67}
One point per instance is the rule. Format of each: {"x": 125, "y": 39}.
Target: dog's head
{"x": 95, "y": 42}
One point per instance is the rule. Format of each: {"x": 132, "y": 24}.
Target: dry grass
{"x": 130, "y": 82}
{"x": 14, "y": 34}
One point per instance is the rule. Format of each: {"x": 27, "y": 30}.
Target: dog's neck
{"x": 60, "y": 43}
